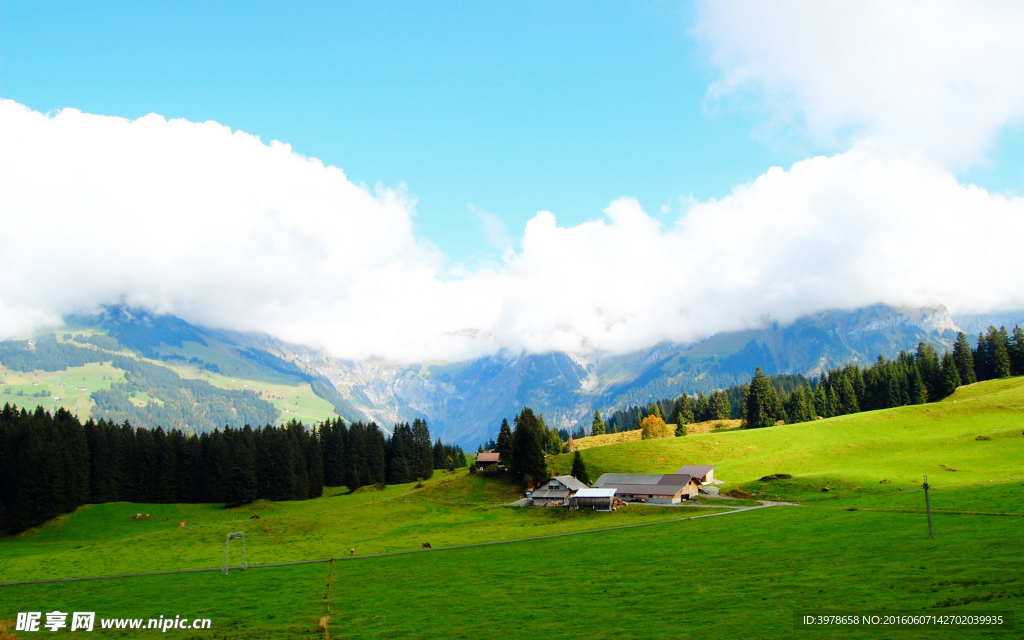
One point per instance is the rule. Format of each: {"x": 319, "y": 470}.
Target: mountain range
{"x": 464, "y": 402}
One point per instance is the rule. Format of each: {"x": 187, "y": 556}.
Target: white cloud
{"x": 933, "y": 76}
{"x": 223, "y": 230}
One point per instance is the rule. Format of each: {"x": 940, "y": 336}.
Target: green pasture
{"x": 872, "y": 452}
{"x": 450, "y": 509}
{"x": 93, "y": 376}
{"x": 737, "y": 576}
{"x": 862, "y": 546}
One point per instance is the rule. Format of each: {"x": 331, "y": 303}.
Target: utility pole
{"x": 928, "y": 508}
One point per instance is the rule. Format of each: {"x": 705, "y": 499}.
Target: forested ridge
{"x": 910, "y": 378}
{"x": 52, "y": 464}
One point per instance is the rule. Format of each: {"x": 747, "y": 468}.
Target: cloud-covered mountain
{"x": 464, "y": 402}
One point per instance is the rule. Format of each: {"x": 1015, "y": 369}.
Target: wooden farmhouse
{"x": 669, "y": 488}
{"x": 487, "y": 459}
{"x": 556, "y": 492}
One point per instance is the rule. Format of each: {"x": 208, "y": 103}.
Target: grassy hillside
{"x": 861, "y": 547}
{"x": 450, "y": 509}
{"x": 214, "y": 363}
{"x": 853, "y": 453}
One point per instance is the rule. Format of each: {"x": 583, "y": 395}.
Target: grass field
{"x": 860, "y": 547}
{"x": 850, "y": 454}
{"x": 93, "y": 377}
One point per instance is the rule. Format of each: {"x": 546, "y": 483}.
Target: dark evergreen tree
{"x": 421, "y": 457}
{"x": 1016, "y": 352}
{"x": 683, "y": 410}
{"x": 964, "y": 359}
{"x": 950, "y": 375}
{"x": 931, "y": 371}
{"x": 596, "y": 427}
{"x": 762, "y": 402}
{"x": 579, "y": 470}
{"x": 241, "y": 477}
{"x": 998, "y": 353}
{"x": 504, "y": 444}
{"x": 528, "y": 445}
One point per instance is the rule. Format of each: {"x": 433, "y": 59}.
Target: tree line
{"x": 52, "y": 464}
{"x": 910, "y": 378}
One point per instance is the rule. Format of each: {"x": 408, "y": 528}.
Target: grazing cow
{"x": 426, "y": 545}
{"x": 351, "y": 552}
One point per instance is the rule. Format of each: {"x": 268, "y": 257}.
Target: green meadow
{"x": 62, "y": 385}
{"x": 874, "y": 452}
{"x": 861, "y": 547}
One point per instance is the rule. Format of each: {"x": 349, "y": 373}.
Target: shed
{"x": 702, "y": 473}
{"x": 487, "y": 459}
{"x": 596, "y": 499}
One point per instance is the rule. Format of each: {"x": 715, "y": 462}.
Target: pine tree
{"x": 702, "y": 410}
{"x": 684, "y": 410}
{"x": 421, "y": 458}
{"x": 964, "y": 359}
{"x": 915, "y": 387}
{"x": 761, "y": 402}
{"x": 928, "y": 366}
{"x": 241, "y": 478}
{"x": 950, "y": 375}
{"x": 997, "y": 346}
{"x": 820, "y": 401}
{"x": 579, "y": 470}
{"x": 981, "y": 364}
{"x": 847, "y": 397}
{"x": 505, "y": 447}
{"x": 1016, "y": 351}
{"x": 596, "y": 427}
{"x": 528, "y": 444}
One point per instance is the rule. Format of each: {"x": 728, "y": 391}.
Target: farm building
{"x": 556, "y": 492}
{"x": 596, "y": 499}
{"x": 647, "y": 487}
{"x": 487, "y": 459}
{"x": 702, "y": 473}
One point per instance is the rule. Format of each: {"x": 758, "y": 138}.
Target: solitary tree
{"x": 597, "y": 427}
{"x": 579, "y": 470}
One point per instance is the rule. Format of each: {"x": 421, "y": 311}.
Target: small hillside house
{"x": 702, "y": 473}
{"x": 648, "y": 487}
{"x": 556, "y": 492}
{"x": 487, "y": 459}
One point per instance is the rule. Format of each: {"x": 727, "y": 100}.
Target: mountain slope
{"x": 465, "y": 402}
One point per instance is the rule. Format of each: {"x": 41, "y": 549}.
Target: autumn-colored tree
{"x": 654, "y": 427}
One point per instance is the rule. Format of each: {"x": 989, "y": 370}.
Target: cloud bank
{"x": 934, "y": 76}
{"x": 224, "y": 230}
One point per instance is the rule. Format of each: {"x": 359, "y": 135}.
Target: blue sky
{"x": 759, "y": 161}
{"x": 513, "y": 107}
